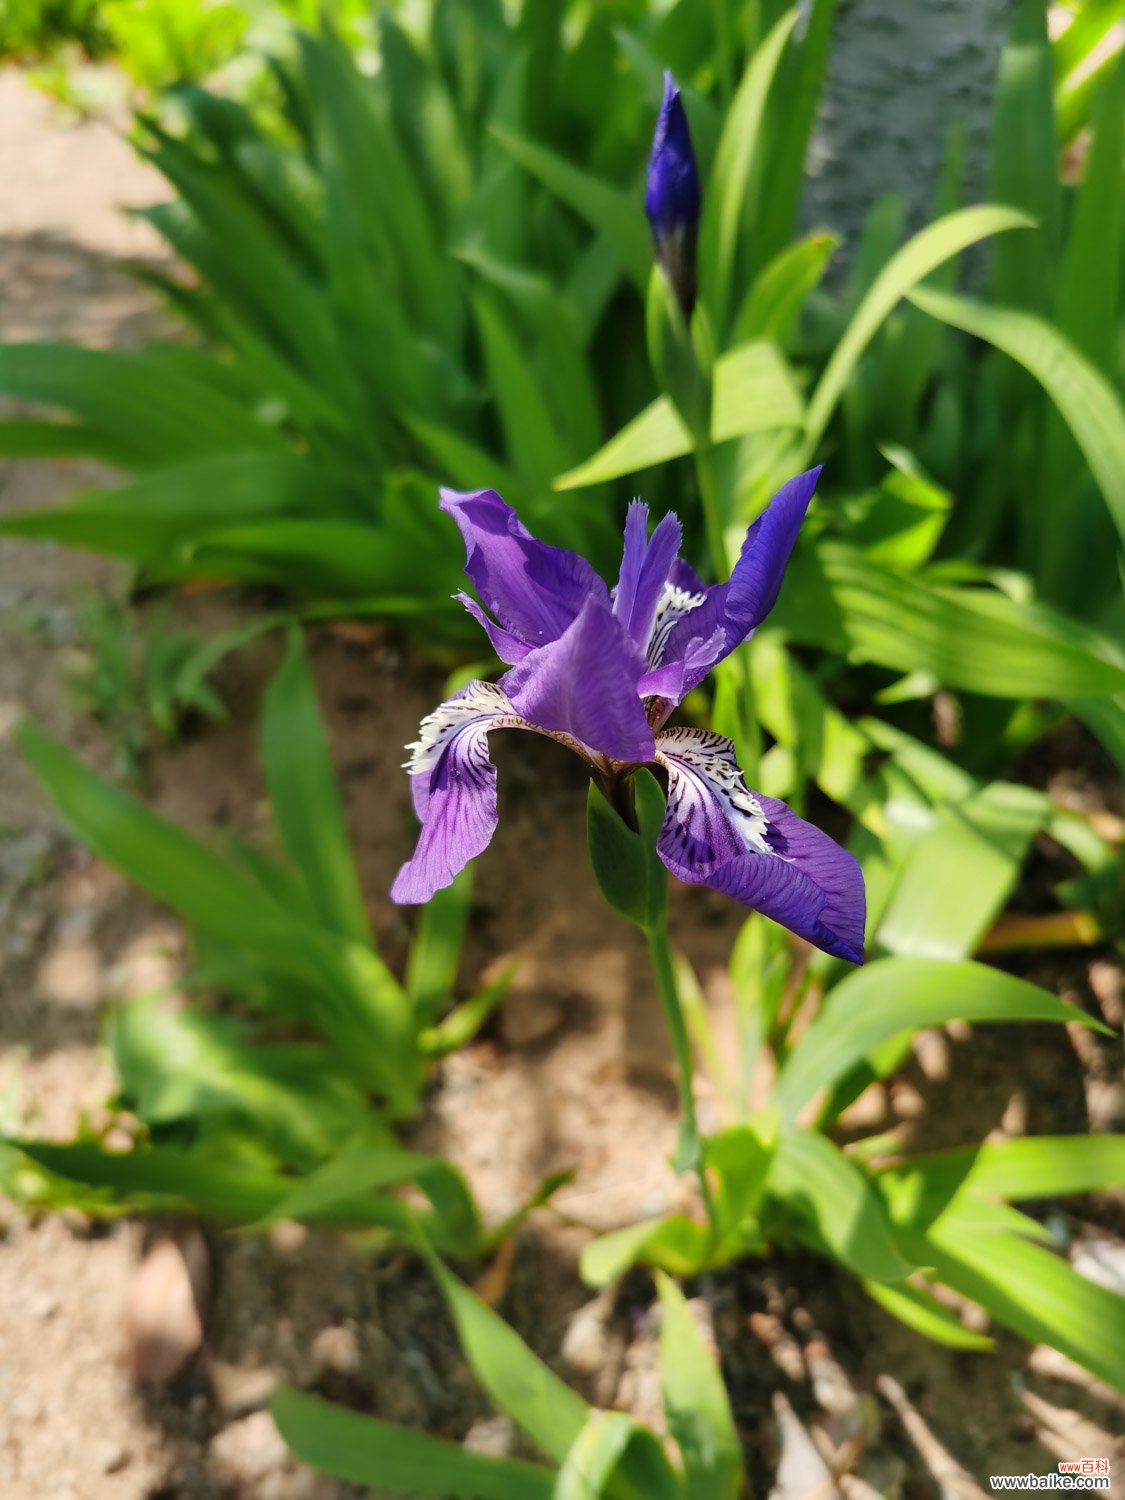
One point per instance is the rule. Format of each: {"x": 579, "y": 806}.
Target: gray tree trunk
{"x": 900, "y": 73}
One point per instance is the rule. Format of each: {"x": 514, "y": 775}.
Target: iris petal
{"x": 508, "y": 647}
{"x": 585, "y": 685}
{"x": 645, "y": 565}
{"x": 534, "y": 590}
{"x": 731, "y": 611}
{"x": 453, "y": 783}
{"x": 755, "y": 849}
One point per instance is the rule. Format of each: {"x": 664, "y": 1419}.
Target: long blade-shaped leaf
{"x": 886, "y": 998}
{"x": 176, "y": 868}
{"x": 549, "y": 1412}
{"x": 725, "y": 206}
{"x": 1028, "y": 1288}
{"x": 968, "y": 638}
{"x": 606, "y": 209}
{"x": 905, "y": 269}
{"x": 1025, "y": 1168}
{"x": 1082, "y": 394}
{"x": 754, "y": 391}
{"x": 614, "y": 1458}
{"x": 109, "y": 391}
{"x": 838, "y": 1201}
{"x": 802, "y": 81}
{"x": 926, "y": 1315}
{"x": 1024, "y": 167}
{"x": 696, "y": 1404}
{"x": 367, "y": 1450}
{"x": 305, "y": 796}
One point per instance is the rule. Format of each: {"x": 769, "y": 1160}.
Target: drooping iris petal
{"x": 755, "y": 849}
{"x": 453, "y": 783}
{"x": 534, "y": 590}
{"x": 645, "y": 565}
{"x": 585, "y": 685}
{"x": 729, "y": 612}
{"x": 508, "y": 647}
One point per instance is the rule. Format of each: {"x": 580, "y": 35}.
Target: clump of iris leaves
{"x": 440, "y": 272}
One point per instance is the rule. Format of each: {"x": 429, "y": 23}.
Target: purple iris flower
{"x": 601, "y": 671}
{"x": 672, "y": 200}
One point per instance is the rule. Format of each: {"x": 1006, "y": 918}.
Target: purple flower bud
{"x": 672, "y": 196}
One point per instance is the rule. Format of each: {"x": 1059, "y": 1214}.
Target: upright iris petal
{"x": 601, "y": 674}
{"x": 672, "y": 198}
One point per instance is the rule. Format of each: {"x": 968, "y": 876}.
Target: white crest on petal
{"x": 674, "y": 604}
{"x": 480, "y": 703}
{"x": 703, "y": 764}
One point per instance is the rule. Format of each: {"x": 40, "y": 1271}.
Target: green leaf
{"x": 875, "y": 1003}
{"x": 369, "y": 1451}
{"x": 515, "y": 1379}
{"x": 1028, "y": 1288}
{"x": 677, "y": 1245}
{"x": 331, "y": 556}
{"x": 1045, "y": 1166}
{"x": 959, "y": 873}
{"x": 626, "y": 867}
{"x": 464, "y": 1021}
{"x": 802, "y": 81}
{"x": 754, "y": 391}
{"x": 187, "y": 1065}
{"x": 837, "y": 1199}
{"x": 305, "y": 796}
{"x": 1089, "y": 289}
{"x": 1075, "y": 97}
{"x": 1024, "y": 168}
{"x": 917, "y": 258}
{"x": 739, "y": 145}
{"x": 1087, "y": 301}
{"x": 1082, "y": 394}
{"x": 740, "y": 1157}
{"x": 967, "y": 638}
{"x": 162, "y": 1177}
{"x": 532, "y": 435}
{"x": 435, "y": 953}
{"x": 607, "y": 210}
{"x": 147, "y": 519}
{"x": 696, "y": 1404}
{"x": 371, "y": 1162}
{"x": 109, "y": 391}
{"x": 175, "y": 868}
{"x": 618, "y": 858}
{"x": 462, "y": 461}
{"x": 926, "y": 1315}
{"x": 345, "y": 988}
{"x": 27, "y": 438}
{"x": 774, "y": 301}
{"x": 657, "y": 435}
{"x": 614, "y": 1458}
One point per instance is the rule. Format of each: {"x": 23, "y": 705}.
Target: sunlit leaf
{"x": 369, "y": 1451}
{"x": 877, "y": 1002}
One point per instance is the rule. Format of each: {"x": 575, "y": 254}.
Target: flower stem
{"x": 712, "y": 511}
{"x": 689, "y": 1155}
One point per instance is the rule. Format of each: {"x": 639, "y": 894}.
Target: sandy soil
{"x": 574, "y": 1073}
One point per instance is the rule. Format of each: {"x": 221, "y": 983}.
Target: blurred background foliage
{"x": 410, "y": 250}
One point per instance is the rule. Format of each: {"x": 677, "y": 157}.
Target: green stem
{"x": 725, "y": 50}
{"x": 691, "y": 1146}
{"x": 712, "y": 511}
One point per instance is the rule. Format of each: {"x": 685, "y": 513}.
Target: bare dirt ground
{"x": 574, "y": 1073}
